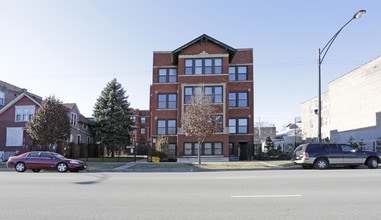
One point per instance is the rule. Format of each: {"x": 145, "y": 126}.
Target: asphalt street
{"x": 271, "y": 194}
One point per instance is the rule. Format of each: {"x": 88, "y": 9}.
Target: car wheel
{"x": 36, "y": 170}
{"x": 20, "y": 167}
{"x": 321, "y": 163}
{"x": 62, "y": 167}
{"x": 372, "y": 163}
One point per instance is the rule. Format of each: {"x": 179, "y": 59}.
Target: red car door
{"x": 47, "y": 161}
{"x": 32, "y": 160}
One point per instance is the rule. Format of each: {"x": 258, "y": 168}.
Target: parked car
{"x": 323, "y": 155}
{"x": 39, "y": 160}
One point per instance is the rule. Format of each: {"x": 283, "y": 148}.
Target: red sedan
{"x": 38, "y": 160}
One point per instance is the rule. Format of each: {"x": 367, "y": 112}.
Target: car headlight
{"x": 74, "y": 162}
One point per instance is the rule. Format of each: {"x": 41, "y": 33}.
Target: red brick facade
{"x": 209, "y": 65}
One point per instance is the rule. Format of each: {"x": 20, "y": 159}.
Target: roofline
{"x": 18, "y": 98}
{"x": 231, "y": 51}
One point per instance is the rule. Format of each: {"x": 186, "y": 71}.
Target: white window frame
{"x": 24, "y": 112}
{"x": 74, "y": 119}
{"x": 14, "y": 137}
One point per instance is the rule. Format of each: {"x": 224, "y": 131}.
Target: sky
{"x": 71, "y": 49}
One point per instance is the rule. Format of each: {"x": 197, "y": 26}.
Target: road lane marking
{"x": 266, "y": 196}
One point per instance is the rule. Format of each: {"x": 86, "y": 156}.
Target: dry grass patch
{"x": 214, "y": 165}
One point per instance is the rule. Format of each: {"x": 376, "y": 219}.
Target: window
{"x": 188, "y": 149}
{"x": 167, "y": 101}
{"x": 133, "y": 119}
{"x": 73, "y": 119}
{"x": 207, "y": 148}
{"x": 188, "y": 67}
{"x": 238, "y": 126}
{"x": 208, "y": 65}
{"x": 238, "y": 99}
{"x": 198, "y": 67}
{"x": 24, "y": 113}
{"x": 218, "y": 66}
{"x": 203, "y": 66}
{"x": 14, "y": 137}
{"x": 218, "y": 148}
{"x": 214, "y": 93}
{"x": 2, "y": 102}
{"x": 142, "y": 130}
{"x": 346, "y": 148}
{"x": 33, "y": 154}
{"x": 84, "y": 126}
{"x": 167, "y": 75}
{"x": 142, "y": 120}
{"x": 238, "y": 73}
{"x": 165, "y": 127}
{"x": 79, "y": 139}
{"x": 44, "y": 155}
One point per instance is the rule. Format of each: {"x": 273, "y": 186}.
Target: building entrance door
{"x": 243, "y": 148}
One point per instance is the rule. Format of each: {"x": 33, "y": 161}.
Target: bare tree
{"x": 201, "y": 120}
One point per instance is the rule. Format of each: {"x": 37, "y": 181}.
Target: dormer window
{"x": 73, "y": 119}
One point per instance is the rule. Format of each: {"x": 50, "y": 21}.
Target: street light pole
{"x": 322, "y": 53}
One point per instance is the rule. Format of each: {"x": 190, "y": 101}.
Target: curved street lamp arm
{"x": 330, "y": 42}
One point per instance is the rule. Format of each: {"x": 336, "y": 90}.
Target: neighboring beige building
{"x": 351, "y": 108}
{"x": 309, "y": 118}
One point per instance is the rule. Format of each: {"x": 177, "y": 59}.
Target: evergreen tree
{"x": 201, "y": 120}
{"x": 269, "y": 145}
{"x": 50, "y": 125}
{"x": 112, "y": 117}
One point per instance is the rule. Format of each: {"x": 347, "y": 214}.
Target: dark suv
{"x": 323, "y": 155}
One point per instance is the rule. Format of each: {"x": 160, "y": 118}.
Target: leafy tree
{"x": 361, "y": 145}
{"x": 201, "y": 120}
{"x": 50, "y": 124}
{"x": 112, "y": 117}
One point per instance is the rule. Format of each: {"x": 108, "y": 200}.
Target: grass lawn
{"x": 110, "y": 163}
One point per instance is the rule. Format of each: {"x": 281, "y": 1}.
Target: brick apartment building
{"x": 141, "y": 134}
{"x": 223, "y": 73}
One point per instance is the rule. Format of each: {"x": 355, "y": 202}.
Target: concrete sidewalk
{"x": 130, "y": 164}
